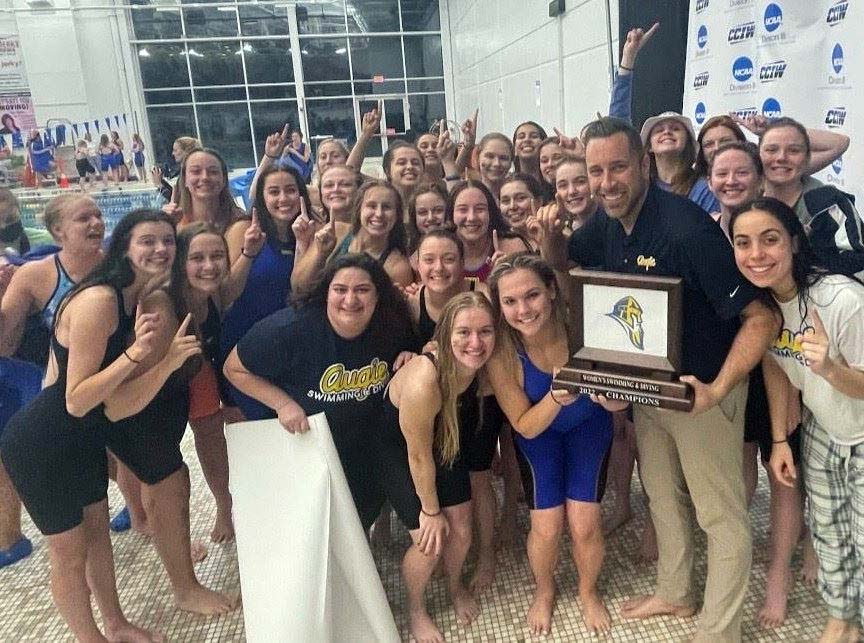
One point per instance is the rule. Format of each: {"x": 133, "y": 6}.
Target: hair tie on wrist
{"x": 779, "y": 441}
{"x": 134, "y": 361}
{"x": 552, "y": 395}
{"x": 270, "y": 156}
{"x": 426, "y": 513}
{"x": 246, "y": 254}
{"x": 620, "y": 66}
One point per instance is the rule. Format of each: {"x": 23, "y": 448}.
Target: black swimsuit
{"x": 57, "y": 461}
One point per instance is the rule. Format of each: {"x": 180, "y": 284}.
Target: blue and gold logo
{"x": 628, "y": 313}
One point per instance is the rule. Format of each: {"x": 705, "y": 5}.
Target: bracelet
{"x": 779, "y": 441}
{"x": 453, "y": 177}
{"x": 426, "y": 513}
{"x": 270, "y": 156}
{"x": 620, "y": 66}
{"x": 245, "y": 254}
{"x": 134, "y": 361}
{"x": 552, "y": 395}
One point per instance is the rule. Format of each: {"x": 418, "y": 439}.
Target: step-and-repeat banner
{"x": 793, "y": 58}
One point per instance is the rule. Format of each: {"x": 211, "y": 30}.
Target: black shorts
{"x": 84, "y": 167}
{"x": 57, "y": 462}
{"x": 757, "y": 420}
{"x": 478, "y": 446}
{"x": 149, "y": 442}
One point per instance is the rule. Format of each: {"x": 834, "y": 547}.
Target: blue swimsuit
{"x": 568, "y": 460}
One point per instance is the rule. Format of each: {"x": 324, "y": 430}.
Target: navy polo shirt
{"x": 673, "y": 237}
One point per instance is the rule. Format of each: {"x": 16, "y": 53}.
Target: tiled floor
{"x": 28, "y": 614}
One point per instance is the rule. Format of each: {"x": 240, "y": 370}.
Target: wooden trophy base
{"x": 659, "y": 393}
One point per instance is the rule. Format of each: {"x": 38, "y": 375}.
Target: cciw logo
{"x": 836, "y": 12}
{"x": 835, "y": 117}
{"x": 700, "y": 80}
{"x": 742, "y": 69}
{"x": 742, "y": 32}
{"x": 701, "y": 5}
{"x": 628, "y": 313}
{"x": 773, "y": 17}
{"x": 771, "y": 108}
{"x": 772, "y": 71}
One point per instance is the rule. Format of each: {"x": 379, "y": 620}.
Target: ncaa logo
{"x": 835, "y": 117}
{"x": 700, "y": 113}
{"x": 702, "y": 37}
{"x": 700, "y": 80}
{"x": 701, "y": 5}
{"x": 837, "y": 12}
{"x": 771, "y": 108}
{"x": 742, "y": 69}
{"x": 773, "y": 17}
{"x": 772, "y": 71}
{"x": 742, "y": 32}
{"x": 837, "y": 58}
{"x": 837, "y": 165}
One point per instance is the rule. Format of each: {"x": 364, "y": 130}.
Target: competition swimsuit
{"x": 346, "y": 242}
{"x": 204, "y": 388}
{"x": 453, "y": 484}
{"x": 426, "y": 325}
{"x": 55, "y": 460}
{"x": 568, "y": 460}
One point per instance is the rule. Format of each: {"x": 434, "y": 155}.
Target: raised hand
{"x": 815, "y": 347}
{"x": 304, "y": 229}
{"x": 371, "y": 124}
{"x": 174, "y": 211}
{"x": 254, "y": 237}
{"x": 636, "y": 39}
{"x": 568, "y": 143}
{"x": 756, "y": 123}
{"x": 182, "y": 346}
{"x": 275, "y": 143}
{"x": 550, "y": 218}
{"x": 325, "y": 238}
{"x": 469, "y": 130}
{"x": 146, "y": 328}
{"x": 445, "y": 148}
{"x": 156, "y": 176}
{"x": 497, "y": 253}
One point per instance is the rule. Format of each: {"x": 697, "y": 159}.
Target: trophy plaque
{"x": 625, "y": 339}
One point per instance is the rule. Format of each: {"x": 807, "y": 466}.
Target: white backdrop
{"x": 795, "y": 58}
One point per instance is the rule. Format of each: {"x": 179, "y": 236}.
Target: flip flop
{"x": 16, "y": 552}
{"x": 121, "y": 522}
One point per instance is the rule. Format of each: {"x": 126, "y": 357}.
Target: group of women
{"x": 416, "y": 314}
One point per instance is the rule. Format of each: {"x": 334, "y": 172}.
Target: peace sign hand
{"x": 254, "y": 237}
{"x": 182, "y": 346}
{"x": 636, "y": 39}
{"x": 275, "y": 143}
{"x": 815, "y": 347}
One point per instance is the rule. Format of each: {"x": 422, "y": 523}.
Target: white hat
{"x": 649, "y": 124}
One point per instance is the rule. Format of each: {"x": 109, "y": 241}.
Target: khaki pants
{"x": 699, "y": 458}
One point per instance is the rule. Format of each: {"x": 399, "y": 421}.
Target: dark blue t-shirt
{"x": 673, "y": 237}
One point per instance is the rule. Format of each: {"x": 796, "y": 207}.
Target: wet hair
{"x": 387, "y": 161}
{"x": 115, "y": 270}
{"x": 747, "y": 148}
{"x": 570, "y": 160}
{"x": 529, "y": 181}
{"x": 179, "y": 281}
{"x": 444, "y": 233}
{"x": 785, "y": 121}
{"x": 268, "y": 226}
{"x": 391, "y": 312}
{"x": 607, "y": 126}
{"x": 228, "y": 211}
{"x": 358, "y": 181}
{"x": 104, "y": 140}
{"x": 331, "y": 141}
{"x": 412, "y": 230}
{"x": 702, "y": 166}
{"x": 543, "y": 135}
{"x": 55, "y": 208}
{"x": 496, "y": 136}
{"x": 396, "y": 238}
{"x": 496, "y": 221}
{"x": 447, "y": 436}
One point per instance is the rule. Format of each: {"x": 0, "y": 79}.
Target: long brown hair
{"x": 448, "y": 430}
{"x": 396, "y": 238}
{"x": 228, "y": 211}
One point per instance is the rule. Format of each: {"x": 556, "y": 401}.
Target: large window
{"x": 227, "y": 74}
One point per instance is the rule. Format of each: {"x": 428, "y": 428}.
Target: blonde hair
{"x": 447, "y": 434}
{"x": 187, "y": 144}
{"x": 54, "y": 209}
{"x": 228, "y": 212}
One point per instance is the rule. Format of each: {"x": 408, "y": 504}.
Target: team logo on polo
{"x": 772, "y": 71}
{"x": 339, "y": 384}
{"x": 742, "y": 69}
{"x": 837, "y": 12}
{"x": 742, "y": 32}
{"x": 835, "y": 117}
{"x": 701, "y": 5}
{"x": 700, "y": 113}
{"x": 702, "y": 37}
{"x": 771, "y": 108}
{"x": 773, "y": 17}
{"x": 628, "y": 313}
{"x": 700, "y": 80}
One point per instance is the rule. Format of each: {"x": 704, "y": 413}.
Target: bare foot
{"x": 484, "y": 575}
{"x": 464, "y": 604}
{"x": 223, "y": 529}
{"x": 648, "y": 546}
{"x": 540, "y": 613}
{"x": 198, "y": 551}
{"x": 620, "y": 516}
{"x": 838, "y": 631}
{"x": 205, "y": 601}
{"x": 128, "y": 633}
{"x": 423, "y": 629}
{"x": 777, "y": 587}
{"x": 595, "y": 614}
{"x": 810, "y": 563}
{"x": 648, "y": 606}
